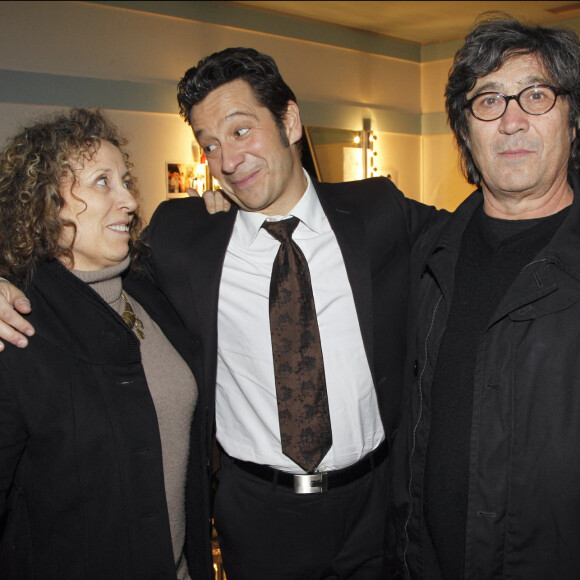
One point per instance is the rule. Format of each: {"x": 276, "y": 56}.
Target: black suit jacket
{"x": 375, "y": 226}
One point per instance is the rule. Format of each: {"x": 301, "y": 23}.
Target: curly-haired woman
{"x": 95, "y": 414}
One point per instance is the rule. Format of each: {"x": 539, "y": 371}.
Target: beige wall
{"x": 93, "y": 41}
{"x": 433, "y": 81}
{"x": 443, "y": 183}
{"x": 401, "y": 154}
{"x": 84, "y": 39}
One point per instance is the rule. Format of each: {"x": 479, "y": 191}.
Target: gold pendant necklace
{"x": 131, "y": 319}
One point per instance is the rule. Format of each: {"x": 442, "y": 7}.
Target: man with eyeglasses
{"x": 486, "y": 460}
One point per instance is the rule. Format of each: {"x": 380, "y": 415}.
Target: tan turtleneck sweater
{"x": 174, "y": 393}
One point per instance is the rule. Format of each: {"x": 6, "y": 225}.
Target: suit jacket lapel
{"x": 350, "y": 234}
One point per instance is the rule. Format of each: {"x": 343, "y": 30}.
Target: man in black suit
{"x": 275, "y": 520}
{"x": 216, "y": 271}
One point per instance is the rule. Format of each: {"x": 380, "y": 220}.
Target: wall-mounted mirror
{"x": 332, "y": 155}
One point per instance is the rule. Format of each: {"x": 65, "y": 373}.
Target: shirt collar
{"x": 308, "y": 210}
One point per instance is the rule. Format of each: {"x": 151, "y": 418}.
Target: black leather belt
{"x": 321, "y": 481}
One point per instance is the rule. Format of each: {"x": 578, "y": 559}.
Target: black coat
{"x": 375, "y": 227}
{"x": 523, "y": 512}
{"x": 81, "y": 479}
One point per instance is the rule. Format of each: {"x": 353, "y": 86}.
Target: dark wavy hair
{"x": 495, "y": 39}
{"x": 33, "y": 166}
{"x": 257, "y": 69}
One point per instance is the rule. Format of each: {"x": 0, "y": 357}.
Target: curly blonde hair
{"x": 33, "y": 165}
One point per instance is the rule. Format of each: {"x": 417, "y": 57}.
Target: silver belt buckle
{"x": 312, "y": 483}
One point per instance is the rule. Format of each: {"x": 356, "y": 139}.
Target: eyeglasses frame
{"x": 508, "y": 98}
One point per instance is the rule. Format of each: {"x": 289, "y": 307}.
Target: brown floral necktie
{"x": 298, "y": 365}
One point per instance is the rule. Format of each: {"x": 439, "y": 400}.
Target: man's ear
{"x": 292, "y": 123}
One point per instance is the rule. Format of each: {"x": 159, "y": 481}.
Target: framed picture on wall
{"x": 187, "y": 175}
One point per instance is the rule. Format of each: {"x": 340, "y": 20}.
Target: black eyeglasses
{"x": 535, "y": 100}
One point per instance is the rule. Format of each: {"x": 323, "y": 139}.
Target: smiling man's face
{"x": 253, "y": 159}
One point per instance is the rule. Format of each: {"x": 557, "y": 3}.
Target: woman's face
{"x": 101, "y": 206}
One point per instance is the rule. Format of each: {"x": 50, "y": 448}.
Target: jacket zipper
{"x": 415, "y": 428}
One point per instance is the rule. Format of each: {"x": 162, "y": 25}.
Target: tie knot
{"x": 281, "y": 230}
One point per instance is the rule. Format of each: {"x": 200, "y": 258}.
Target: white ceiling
{"x": 419, "y": 22}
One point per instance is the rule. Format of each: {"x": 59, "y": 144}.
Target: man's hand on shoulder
{"x": 13, "y": 327}
{"x": 215, "y": 201}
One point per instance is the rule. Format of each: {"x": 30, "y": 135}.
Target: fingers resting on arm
{"x": 215, "y": 201}
{"x": 13, "y": 327}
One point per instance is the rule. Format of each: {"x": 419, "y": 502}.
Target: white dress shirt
{"x": 246, "y": 406}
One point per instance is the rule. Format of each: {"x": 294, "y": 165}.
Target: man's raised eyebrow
{"x": 235, "y": 114}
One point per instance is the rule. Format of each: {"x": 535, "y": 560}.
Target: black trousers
{"x": 267, "y": 532}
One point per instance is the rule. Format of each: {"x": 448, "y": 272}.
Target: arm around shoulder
{"x": 14, "y": 328}
{"x": 418, "y": 215}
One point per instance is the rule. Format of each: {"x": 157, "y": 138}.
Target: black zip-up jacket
{"x": 523, "y": 513}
